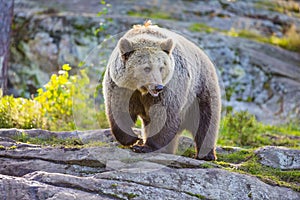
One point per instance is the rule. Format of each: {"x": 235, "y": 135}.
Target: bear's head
{"x": 148, "y": 65}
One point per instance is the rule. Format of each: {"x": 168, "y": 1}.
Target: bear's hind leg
{"x": 207, "y": 132}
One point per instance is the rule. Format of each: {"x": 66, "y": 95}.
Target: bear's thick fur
{"x": 168, "y": 82}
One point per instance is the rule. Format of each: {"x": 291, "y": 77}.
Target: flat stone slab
{"x": 35, "y": 172}
{"x": 279, "y": 157}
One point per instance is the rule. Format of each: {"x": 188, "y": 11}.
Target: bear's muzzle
{"x": 155, "y": 89}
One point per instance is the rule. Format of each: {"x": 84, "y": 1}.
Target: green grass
{"x": 236, "y": 157}
{"x": 243, "y": 130}
{"x": 290, "y": 40}
{"x": 150, "y": 14}
{"x": 285, "y": 7}
{"x": 269, "y": 175}
{"x": 57, "y": 142}
{"x": 199, "y": 196}
{"x": 52, "y": 141}
{"x": 245, "y": 161}
{"x": 200, "y": 27}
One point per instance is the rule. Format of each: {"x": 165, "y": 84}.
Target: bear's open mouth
{"x": 149, "y": 89}
{"x": 153, "y": 93}
{"x": 154, "y": 89}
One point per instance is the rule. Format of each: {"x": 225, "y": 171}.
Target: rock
{"x": 279, "y": 157}
{"x": 32, "y": 171}
{"x": 112, "y": 187}
{"x": 21, "y": 188}
{"x": 69, "y": 160}
{"x": 251, "y": 80}
{"x": 206, "y": 183}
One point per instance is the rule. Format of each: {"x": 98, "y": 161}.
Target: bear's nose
{"x": 159, "y": 88}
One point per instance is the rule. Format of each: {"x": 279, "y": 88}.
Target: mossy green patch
{"x": 279, "y": 6}
{"x": 290, "y": 40}
{"x": 200, "y": 27}
{"x": 130, "y": 195}
{"x": 190, "y": 152}
{"x": 50, "y": 141}
{"x": 207, "y": 165}
{"x": 150, "y": 14}
{"x": 57, "y": 142}
{"x": 199, "y": 196}
{"x": 271, "y": 175}
{"x": 249, "y": 164}
{"x": 114, "y": 185}
{"x": 12, "y": 147}
{"x": 236, "y": 157}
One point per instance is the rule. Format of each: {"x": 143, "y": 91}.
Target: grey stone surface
{"x": 279, "y": 157}
{"x": 22, "y": 188}
{"x": 35, "y": 172}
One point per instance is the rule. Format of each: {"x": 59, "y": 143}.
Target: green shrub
{"x": 20, "y": 113}
{"x": 56, "y": 100}
{"x": 55, "y": 106}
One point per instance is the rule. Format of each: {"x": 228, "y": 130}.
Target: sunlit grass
{"x": 199, "y": 27}
{"x": 285, "y": 7}
{"x": 243, "y": 130}
{"x": 149, "y": 14}
{"x": 290, "y": 40}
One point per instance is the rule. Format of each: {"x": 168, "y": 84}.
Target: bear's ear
{"x": 125, "y": 47}
{"x": 167, "y": 45}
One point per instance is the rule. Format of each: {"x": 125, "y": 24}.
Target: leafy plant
{"x": 56, "y": 100}
{"x": 55, "y": 105}
{"x": 19, "y": 113}
{"x": 103, "y": 12}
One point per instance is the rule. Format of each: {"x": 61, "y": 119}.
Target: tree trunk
{"x": 6, "y": 16}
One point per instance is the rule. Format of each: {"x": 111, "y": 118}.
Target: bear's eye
{"x": 147, "y": 69}
{"x": 126, "y": 55}
{"x": 161, "y": 69}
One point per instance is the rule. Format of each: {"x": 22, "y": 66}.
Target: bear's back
{"x": 151, "y": 36}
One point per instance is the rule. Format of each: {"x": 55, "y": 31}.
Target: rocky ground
{"x": 30, "y": 171}
{"x": 259, "y": 77}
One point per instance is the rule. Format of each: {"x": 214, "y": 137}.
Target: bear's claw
{"x": 141, "y": 149}
{"x": 211, "y": 156}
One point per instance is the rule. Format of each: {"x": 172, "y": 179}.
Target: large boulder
{"x": 30, "y": 171}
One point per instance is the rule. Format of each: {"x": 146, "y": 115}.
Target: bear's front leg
{"x": 161, "y": 131}
{"x": 120, "y": 118}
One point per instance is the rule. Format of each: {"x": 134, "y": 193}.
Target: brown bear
{"x": 170, "y": 84}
